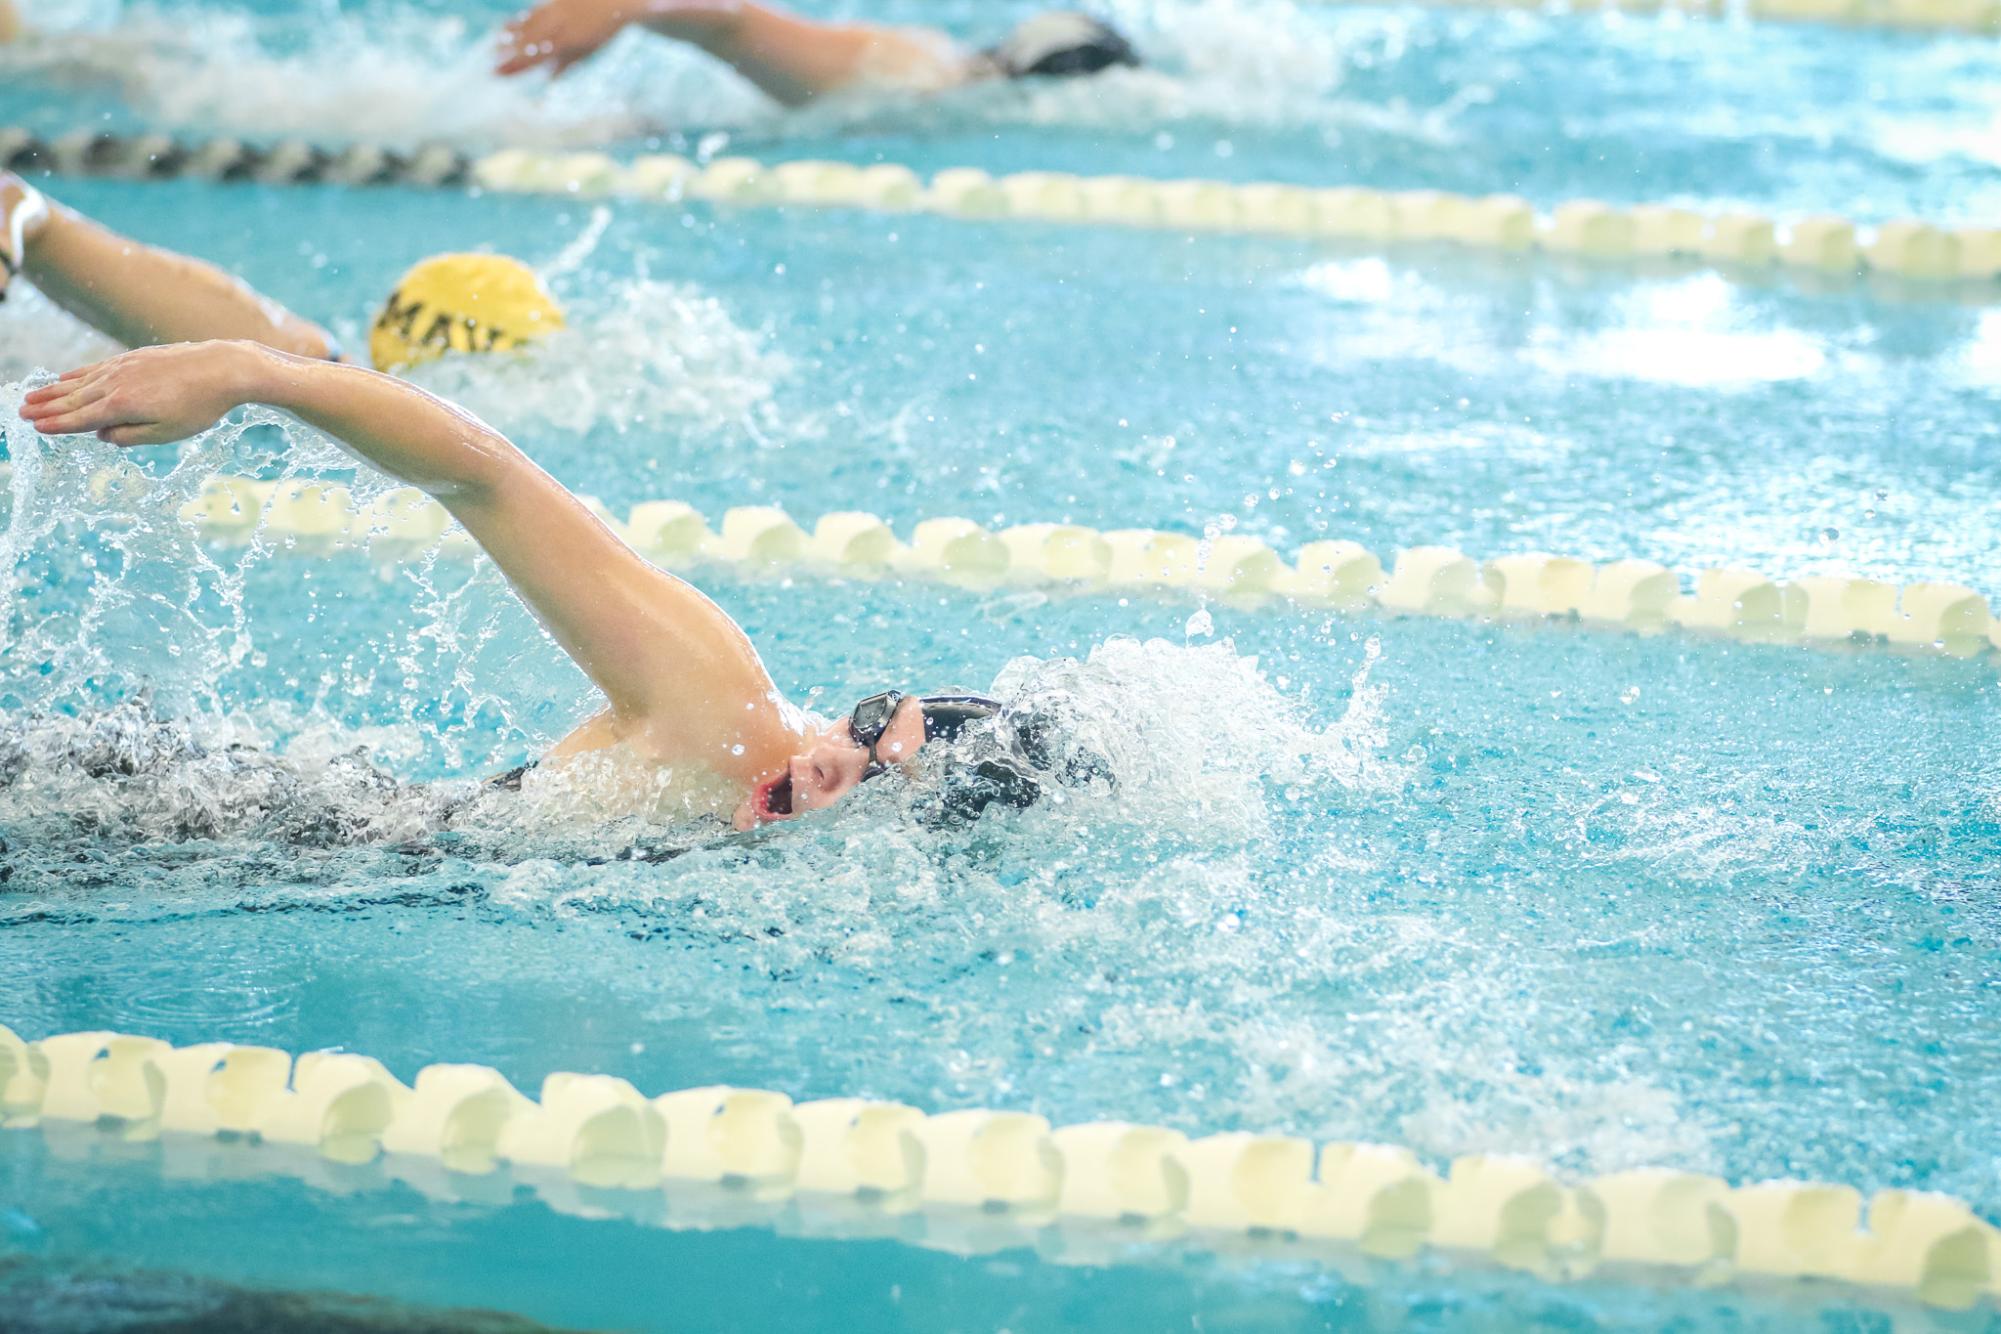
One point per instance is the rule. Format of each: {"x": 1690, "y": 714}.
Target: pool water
{"x": 1608, "y": 900}
{"x": 1624, "y": 108}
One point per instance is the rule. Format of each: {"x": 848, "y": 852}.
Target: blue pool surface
{"x": 1604, "y": 899}
{"x": 438, "y": 1268}
{"x": 1015, "y": 373}
{"x": 1789, "y": 119}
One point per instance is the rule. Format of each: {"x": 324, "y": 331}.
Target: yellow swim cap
{"x": 461, "y": 303}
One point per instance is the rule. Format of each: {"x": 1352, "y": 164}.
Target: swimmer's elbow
{"x": 481, "y": 470}
{"x": 492, "y": 478}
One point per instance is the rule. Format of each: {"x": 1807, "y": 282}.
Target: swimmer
{"x": 10, "y": 22}
{"x": 796, "y": 60}
{"x": 142, "y": 295}
{"x": 683, "y": 688}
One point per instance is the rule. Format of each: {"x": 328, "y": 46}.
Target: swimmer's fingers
{"x": 557, "y": 35}
{"x": 528, "y": 59}
{"x": 524, "y": 43}
{"x": 162, "y": 393}
{"x": 66, "y": 390}
{"x": 138, "y": 433}
{"x": 111, "y": 424}
{"x": 67, "y": 383}
{"x": 62, "y": 409}
{"x": 92, "y": 416}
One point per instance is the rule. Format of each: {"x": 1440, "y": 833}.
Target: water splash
{"x": 127, "y": 774}
{"x": 1201, "y": 939}
{"x": 108, "y": 592}
{"x": 127, "y": 632}
{"x": 384, "y": 75}
{"x": 39, "y": 334}
{"x": 1198, "y": 733}
{"x": 401, "y": 74}
{"x": 634, "y": 354}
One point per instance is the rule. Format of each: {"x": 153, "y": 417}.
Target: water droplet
{"x": 737, "y": 749}
{"x": 1201, "y": 625}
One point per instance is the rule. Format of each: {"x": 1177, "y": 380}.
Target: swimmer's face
{"x": 830, "y": 768}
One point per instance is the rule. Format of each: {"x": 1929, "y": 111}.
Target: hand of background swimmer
{"x": 153, "y": 396}
{"x": 559, "y": 33}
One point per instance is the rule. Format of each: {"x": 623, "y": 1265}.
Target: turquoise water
{"x": 917, "y": 366}
{"x": 795, "y": 1270}
{"x": 1622, "y": 108}
{"x": 1608, "y": 900}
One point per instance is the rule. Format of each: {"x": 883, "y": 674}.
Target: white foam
{"x": 388, "y": 76}
{"x": 128, "y": 773}
{"x": 145, "y": 608}
{"x": 402, "y": 75}
{"x": 38, "y": 333}
{"x": 1153, "y": 710}
{"x": 1587, "y": 1124}
{"x": 632, "y": 354}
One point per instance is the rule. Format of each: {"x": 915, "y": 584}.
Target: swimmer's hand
{"x": 561, "y": 32}
{"x": 153, "y": 396}
{"x": 558, "y": 33}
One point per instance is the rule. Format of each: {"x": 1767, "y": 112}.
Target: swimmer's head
{"x": 461, "y": 303}
{"x": 975, "y": 752}
{"x": 1059, "y": 44}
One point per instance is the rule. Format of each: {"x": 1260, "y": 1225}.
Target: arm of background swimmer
{"x": 794, "y": 59}
{"x": 140, "y": 294}
{"x": 10, "y": 21}
{"x": 681, "y": 677}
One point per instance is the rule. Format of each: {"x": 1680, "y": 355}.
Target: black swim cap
{"x": 1012, "y": 762}
{"x": 1059, "y": 44}
{"x": 946, "y": 716}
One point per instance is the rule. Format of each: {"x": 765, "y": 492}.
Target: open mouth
{"x": 774, "y": 799}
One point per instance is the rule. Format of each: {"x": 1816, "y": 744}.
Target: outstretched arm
{"x": 683, "y": 681}
{"x": 138, "y": 294}
{"x": 792, "y": 59}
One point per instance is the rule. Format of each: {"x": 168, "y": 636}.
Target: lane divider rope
{"x": 599, "y": 1131}
{"x": 1639, "y": 595}
{"x": 1916, "y": 254}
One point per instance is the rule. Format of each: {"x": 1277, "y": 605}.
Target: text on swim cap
{"x": 441, "y": 328}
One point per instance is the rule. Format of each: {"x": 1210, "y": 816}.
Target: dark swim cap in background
{"x": 1015, "y": 759}
{"x": 1059, "y": 44}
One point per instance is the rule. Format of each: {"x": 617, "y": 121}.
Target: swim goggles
{"x": 944, "y": 716}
